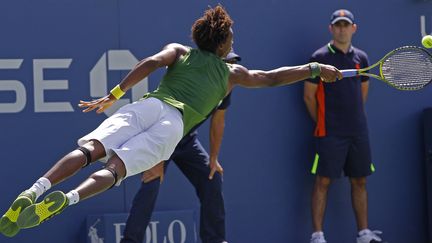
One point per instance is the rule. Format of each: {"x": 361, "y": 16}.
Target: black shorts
{"x": 350, "y": 154}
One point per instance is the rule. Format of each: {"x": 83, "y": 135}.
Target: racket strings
{"x": 408, "y": 69}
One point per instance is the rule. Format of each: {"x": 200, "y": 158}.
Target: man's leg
{"x": 194, "y": 164}
{"x": 328, "y": 164}
{"x": 64, "y": 168}
{"x": 359, "y": 201}
{"x": 141, "y": 211}
{"x": 74, "y": 161}
{"x": 358, "y": 167}
{"x": 55, "y": 202}
{"x": 212, "y": 220}
{"x": 103, "y": 179}
{"x": 319, "y": 201}
{"x": 360, "y": 206}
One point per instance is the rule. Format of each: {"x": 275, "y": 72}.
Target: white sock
{"x": 73, "y": 197}
{"x": 317, "y": 234}
{"x": 40, "y": 186}
{"x": 363, "y": 232}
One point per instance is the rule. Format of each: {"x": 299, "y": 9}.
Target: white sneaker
{"x": 318, "y": 237}
{"x": 368, "y": 236}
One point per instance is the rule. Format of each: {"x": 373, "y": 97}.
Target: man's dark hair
{"x": 212, "y": 29}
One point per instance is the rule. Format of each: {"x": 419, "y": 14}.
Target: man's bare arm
{"x": 240, "y": 75}
{"x": 166, "y": 57}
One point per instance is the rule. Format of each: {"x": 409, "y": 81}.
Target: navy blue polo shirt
{"x": 340, "y": 104}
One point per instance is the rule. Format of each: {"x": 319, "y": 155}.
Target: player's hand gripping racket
{"x": 404, "y": 68}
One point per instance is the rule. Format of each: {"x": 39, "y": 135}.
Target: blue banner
{"x": 165, "y": 227}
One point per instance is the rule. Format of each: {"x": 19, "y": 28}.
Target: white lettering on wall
{"x": 112, "y": 60}
{"x": 118, "y": 229}
{"x": 171, "y": 231}
{"x": 175, "y": 233}
{"x": 151, "y": 232}
{"x": 40, "y": 85}
{"x": 12, "y": 85}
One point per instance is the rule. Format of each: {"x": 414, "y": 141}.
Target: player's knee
{"x": 322, "y": 182}
{"x": 118, "y": 176}
{"x": 87, "y": 154}
{"x": 211, "y": 189}
{"x": 359, "y": 182}
{"x": 92, "y": 150}
{"x": 152, "y": 185}
{"x": 107, "y": 176}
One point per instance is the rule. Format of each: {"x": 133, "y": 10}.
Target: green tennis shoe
{"x": 53, "y": 204}
{"x": 8, "y": 222}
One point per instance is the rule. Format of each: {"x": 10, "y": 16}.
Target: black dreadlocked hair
{"x": 212, "y": 29}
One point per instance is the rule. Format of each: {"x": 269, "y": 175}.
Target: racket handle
{"x": 349, "y": 73}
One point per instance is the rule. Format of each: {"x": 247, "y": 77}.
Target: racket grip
{"x": 349, "y": 73}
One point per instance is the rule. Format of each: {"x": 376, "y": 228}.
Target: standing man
{"x": 199, "y": 168}
{"x": 341, "y": 128}
{"x": 142, "y": 134}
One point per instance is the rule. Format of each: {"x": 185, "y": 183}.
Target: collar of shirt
{"x": 333, "y": 49}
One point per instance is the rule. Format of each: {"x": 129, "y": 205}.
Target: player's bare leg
{"x": 74, "y": 161}
{"x": 63, "y": 169}
{"x": 55, "y": 202}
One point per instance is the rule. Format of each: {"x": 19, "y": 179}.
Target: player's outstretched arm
{"x": 166, "y": 57}
{"x": 281, "y": 76}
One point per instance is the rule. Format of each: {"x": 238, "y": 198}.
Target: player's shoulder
{"x": 236, "y": 69}
{"x": 237, "y": 72}
{"x": 359, "y": 52}
{"x": 320, "y": 52}
{"x": 179, "y": 48}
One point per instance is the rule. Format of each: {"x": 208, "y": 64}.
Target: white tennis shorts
{"x": 142, "y": 134}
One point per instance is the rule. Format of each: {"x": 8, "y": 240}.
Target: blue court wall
{"x": 54, "y": 53}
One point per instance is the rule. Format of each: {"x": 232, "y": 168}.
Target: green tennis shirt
{"x": 195, "y": 85}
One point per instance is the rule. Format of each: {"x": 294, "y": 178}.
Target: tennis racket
{"x": 404, "y": 68}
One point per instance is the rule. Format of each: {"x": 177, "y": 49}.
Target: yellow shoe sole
{"x": 35, "y": 214}
{"x": 8, "y": 222}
